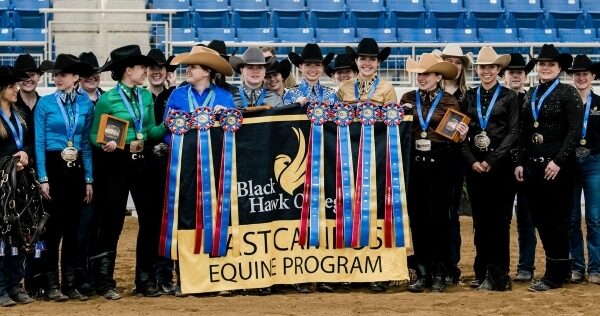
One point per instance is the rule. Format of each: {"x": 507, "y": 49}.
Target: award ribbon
{"x": 231, "y": 121}
{"x": 365, "y": 204}
{"x": 535, "y": 109}
{"x": 313, "y": 204}
{"x": 586, "y": 116}
{"x": 17, "y": 136}
{"x": 483, "y": 120}
{"x": 392, "y": 115}
{"x": 138, "y": 121}
{"x": 342, "y": 116}
{"x": 70, "y": 129}
{"x": 425, "y": 122}
{"x": 178, "y": 122}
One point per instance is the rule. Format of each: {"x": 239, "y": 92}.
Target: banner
{"x": 263, "y": 246}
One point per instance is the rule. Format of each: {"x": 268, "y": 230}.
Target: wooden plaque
{"x": 447, "y": 126}
{"x": 112, "y": 128}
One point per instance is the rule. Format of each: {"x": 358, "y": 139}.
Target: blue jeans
{"x": 526, "y": 232}
{"x": 587, "y": 179}
{"x": 12, "y": 269}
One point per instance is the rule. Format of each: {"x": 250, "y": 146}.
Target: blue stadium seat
{"x": 335, "y": 35}
{"x": 287, "y": 5}
{"x": 5, "y": 5}
{"x": 537, "y": 35}
{"x": 210, "y": 5}
{"x": 302, "y": 35}
{"x": 485, "y": 14}
{"x": 6, "y": 35}
{"x": 327, "y": 13}
{"x": 289, "y": 19}
{"x": 457, "y": 35}
{"x": 408, "y": 35}
{"x": 183, "y": 35}
{"x": 179, "y": 19}
{"x": 249, "y": 5}
{"x": 171, "y": 4}
{"x": 6, "y": 19}
{"x": 366, "y": 13}
{"x": 524, "y": 14}
{"x": 578, "y": 35}
{"x": 592, "y": 10}
{"x": 506, "y": 35}
{"x": 255, "y": 35}
{"x": 209, "y": 34}
{"x": 29, "y": 35}
{"x": 380, "y": 35}
{"x": 406, "y": 13}
{"x": 30, "y": 5}
{"x": 211, "y": 18}
{"x": 563, "y": 14}
{"x": 446, "y": 13}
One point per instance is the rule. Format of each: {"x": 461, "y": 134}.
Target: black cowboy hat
{"x": 220, "y": 47}
{"x": 90, "y": 59}
{"x": 66, "y": 63}
{"x": 517, "y": 62}
{"x": 283, "y": 67}
{"x": 159, "y": 59}
{"x": 551, "y": 53}
{"x": 368, "y": 47}
{"x": 583, "y": 63}
{"x": 311, "y": 53}
{"x": 129, "y": 55}
{"x": 10, "y": 75}
{"x": 341, "y": 61}
{"x": 26, "y": 63}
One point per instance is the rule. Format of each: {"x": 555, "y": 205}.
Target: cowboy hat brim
{"x": 285, "y": 68}
{"x": 17, "y": 75}
{"x": 237, "y": 63}
{"x": 131, "y": 60}
{"x": 381, "y": 56}
{"x": 564, "y": 60}
{"x": 297, "y": 59}
{"x": 467, "y": 59}
{"x": 501, "y": 61}
{"x": 79, "y": 68}
{"x": 593, "y": 68}
{"x": 214, "y": 61}
{"x": 444, "y": 68}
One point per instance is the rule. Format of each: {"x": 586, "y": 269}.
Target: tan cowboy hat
{"x": 488, "y": 56}
{"x": 429, "y": 63}
{"x": 200, "y": 55}
{"x": 454, "y": 50}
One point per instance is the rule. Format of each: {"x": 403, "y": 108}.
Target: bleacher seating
{"x": 327, "y": 13}
{"x": 563, "y": 14}
{"x": 255, "y": 35}
{"x": 380, "y": 35}
{"x": 29, "y": 35}
{"x": 457, "y": 35}
{"x": 406, "y": 13}
{"x": 208, "y": 34}
{"x": 6, "y": 35}
{"x": 485, "y": 14}
{"x": 528, "y": 14}
{"x": 302, "y": 35}
{"x": 537, "y": 35}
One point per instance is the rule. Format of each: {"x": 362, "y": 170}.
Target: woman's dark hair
{"x": 118, "y": 71}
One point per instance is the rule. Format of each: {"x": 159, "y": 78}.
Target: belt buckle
{"x": 135, "y": 156}
{"x": 70, "y": 164}
{"x": 419, "y": 158}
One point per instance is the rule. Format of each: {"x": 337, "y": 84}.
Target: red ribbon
{"x": 357, "y": 199}
{"x": 387, "y": 224}
{"x": 339, "y": 198}
{"x": 199, "y": 220}
{"x": 306, "y": 195}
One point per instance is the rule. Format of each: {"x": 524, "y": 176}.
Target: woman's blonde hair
{"x": 3, "y": 132}
{"x": 462, "y": 81}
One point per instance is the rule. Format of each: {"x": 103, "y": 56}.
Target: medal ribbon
{"x": 259, "y": 101}
{"x": 168, "y": 239}
{"x": 483, "y": 120}
{"x": 371, "y": 91}
{"x": 138, "y": 121}
{"x": 70, "y": 129}
{"x": 535, "y": 109}
{"x": 586, "y": 115}
{"x": 18, "y": 137}
{"x": 425, "y": 122}
{"x": 344, "y": 185}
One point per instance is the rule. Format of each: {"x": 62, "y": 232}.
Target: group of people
{"x": 535, "y": 144}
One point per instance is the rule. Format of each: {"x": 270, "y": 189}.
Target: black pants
{"x": 492, "y": 195}
{"x": 67, "y": 191}
{"x": 429, "y": 197}
{"x": 117, "y": 174}
{"x": 550, "y": 205}
{"x": 457, "y": 190}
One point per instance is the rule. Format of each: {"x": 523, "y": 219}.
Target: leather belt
{"x": 540, "y": 159}
{"x": 424, "y": 159}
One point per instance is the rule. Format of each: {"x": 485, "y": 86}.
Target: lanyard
{"x": 371, "y": 91}
{"x": 69, "y": 128}
{"x": 535, "y": 110}
{"x": 586, "y": 115}
{"x": 483, "y": 120}
{"x": 137, "y": 120}
{"x": 260, "y": 100}
{"x": 193, "y": 103}
{"x": 305, "y": 93}
{"x": 425, "y": 123}
{"x": 17, "y": 136}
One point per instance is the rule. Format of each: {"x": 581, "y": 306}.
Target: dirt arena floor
{"x": 460, "y": 300}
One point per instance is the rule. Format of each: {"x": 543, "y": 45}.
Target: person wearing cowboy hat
{"x": 253, "y": 92}
{"x": 584, "y": 71}
{"x": 27, "y": 98}
{"x": 369, "y": 85}
{"x": 493, "y": 131}
{"x": 268, "y": 52}
{"x": 431, "y": 174}
{"x": 514, "y": 75}
{"x": 310, "y": 63}
{"x": 453, "y": 53}
{"x": 342, "y": 68}
{"x": 16, "y": 140}
{"x": 276, "y": 75}
{"x": 157, "y": 72}
{"x": 90, "y": 83}
{"x": 120, "y": 171}
{"x": 551, "y": 121}
{"x": 64, "y": 168}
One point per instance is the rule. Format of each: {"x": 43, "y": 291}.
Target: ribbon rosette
{"x": 178, "y": 122}
{"x": 231, "y": 120}
{"x": 367, "y": 113}
{"x": 318, "y": 112}
{"x": 392, "y": 114}
{"x": 203, "y": 118}
{"x": 342, "y": 114}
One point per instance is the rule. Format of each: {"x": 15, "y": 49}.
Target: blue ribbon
{"x": 176, "y": 142}
{"x": 535, "y": 109}
{"x": 396, "y": 186}
{"x": 366, "y": 185}
{"x": 315, "y": 203}
{"x": 204, "y": 139}
{"x": 371, "y": 91}
{"x": 137, "y": 120}
{"x": 193, "y": 103}
{"x": 18, "y": 137}
{"x": 346, "y": 187}
{"x": 261, "y": 98}
{"x": 70, "y": 129}
{"x": 586, "y": 115}
{"x": 425, "y": 123}
{"x": 226, "y": 197}
{"x": 483, "y": 120}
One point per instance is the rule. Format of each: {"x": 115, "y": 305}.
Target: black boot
{"x": 69, "y": 281}
{"x": 52, "y": 288}
{"x": 438, "y": 283}
{"x": 420, "y": 283}
{"x": 145, "y": 283}
{"x": 557, "y": 272}
{"x": 103, "y": 268}
{"x": 499, "y": 279}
